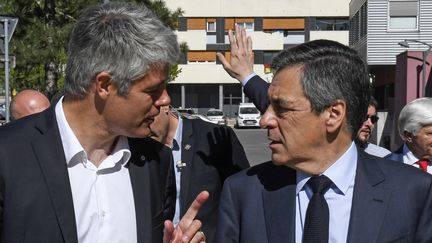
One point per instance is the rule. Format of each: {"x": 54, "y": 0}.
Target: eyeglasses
{"x": 374, "y": 119}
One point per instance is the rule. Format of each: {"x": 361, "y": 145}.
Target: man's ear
{"x": 335, "y": 116}
{"x": 408, "y": 137}
{"x": 104, "y": 85}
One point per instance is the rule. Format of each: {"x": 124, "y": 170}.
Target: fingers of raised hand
{"x": 193, "y": 232}
{"x": 191, "y": 213}
{"x": 199, "y": 237}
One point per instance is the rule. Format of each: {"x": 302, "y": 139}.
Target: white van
{"x": 247, "y": 115}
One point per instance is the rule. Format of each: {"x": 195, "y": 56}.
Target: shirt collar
{"x": 73, "y": 149}
{"x": 71, "y": 146}
{"x": 179, "y": 132}
{"x": 408, "y": 156}
{"x": 341, "y": 173}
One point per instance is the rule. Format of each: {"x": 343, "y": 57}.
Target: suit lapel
{"x": 140, "y": 180}
{"x": 369, "y": 203}
{"x": 280, "y": 208}
{"x": 187, "y": 151}
{"x": 49, "y": 152}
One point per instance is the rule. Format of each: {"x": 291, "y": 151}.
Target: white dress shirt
{"x": 102, "y": 196}
{"x": 410, "y": 159}
{"x": 339, "y": 196}
{"x": 376, "y": 150}
{"x": 176, "y": 151}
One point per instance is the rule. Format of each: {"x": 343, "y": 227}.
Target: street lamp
{"x": 425, "y": 56}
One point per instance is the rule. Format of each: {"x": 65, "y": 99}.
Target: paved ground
{"x": 255, "y": 143}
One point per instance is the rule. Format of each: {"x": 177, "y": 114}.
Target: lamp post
{"x": 425, "y": 56}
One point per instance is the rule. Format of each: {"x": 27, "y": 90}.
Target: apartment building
{"x": 273, "y": 25}
{"x": 377, "y": 28}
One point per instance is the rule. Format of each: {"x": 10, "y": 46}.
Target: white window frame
{"x": 389, "y": 17}
{"x": 244, "y": 25}
{"x": 208, "y": 23}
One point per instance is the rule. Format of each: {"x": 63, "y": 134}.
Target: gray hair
{"x": 123, "y": 39}
{"x": 330, "y": 72}
{"x": 415, "y": 115}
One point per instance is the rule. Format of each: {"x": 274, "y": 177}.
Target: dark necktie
{"x": 423, "y": 164}
{"x": 316, "y": 228}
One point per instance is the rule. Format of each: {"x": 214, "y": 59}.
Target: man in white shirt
{"x": 415, "y": 129}
{"x": 84, "y": 171}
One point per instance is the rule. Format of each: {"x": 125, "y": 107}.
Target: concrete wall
{"x": 248, "y": 8}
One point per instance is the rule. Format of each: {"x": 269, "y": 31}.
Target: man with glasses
{"x": 364, "y": 133}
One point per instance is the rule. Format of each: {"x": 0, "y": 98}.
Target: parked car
{"x": 247, "y": 115}
{"x": 202, "y": 117}
{"x": 2, "y": 111}
{"x": 216, "y": 116}
{"x": 186, "y": 111}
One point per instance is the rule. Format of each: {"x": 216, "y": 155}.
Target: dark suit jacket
{"x": 211, "y": 153}
{"x": 35, "y": 195}
{"x": 392, "y": 202}
{"x": 256, "y": 90}
{"x": 396, "y": 155}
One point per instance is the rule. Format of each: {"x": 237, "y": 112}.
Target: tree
{"x": 40, "y": 39}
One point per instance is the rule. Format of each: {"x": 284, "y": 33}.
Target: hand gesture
{"x": 189, "y": 228}
{"x": 241, "y": 62}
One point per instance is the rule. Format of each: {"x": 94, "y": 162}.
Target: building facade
{"x": 273, "y": 25}
{"x": 377, "y": 30}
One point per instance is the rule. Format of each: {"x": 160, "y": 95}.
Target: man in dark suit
{"x": 83, "y": 171}
{"x": 205, "y": 154}
{"x": 28, "y": 102}
{"x": 317, "y": 101}
{"x": 415, "y": 129}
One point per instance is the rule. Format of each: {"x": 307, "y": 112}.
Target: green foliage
{"x": 40, "y": 39}
{"x": 160, "y": 9}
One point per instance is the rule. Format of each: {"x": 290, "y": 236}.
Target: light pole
{"x": 425, "y": 56}
{"x": 7, "y": 27}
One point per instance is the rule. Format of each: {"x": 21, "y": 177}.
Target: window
{"x": 403, "y": 14}
{"x": 268, "y": 56}
{"x": 248, "y": 26}
{"x": 293, "y": 37}
{"x": 332, "y": 24}
{"x": 358, "y": 25}
{"x": 211, "y": 26}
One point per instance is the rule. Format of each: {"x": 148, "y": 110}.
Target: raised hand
{"x": 241, "y": 62}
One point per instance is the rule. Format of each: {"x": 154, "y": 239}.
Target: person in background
{"x": 205, "y": 154}
{"x": 28, "y": 102}
{"x": 240, "y": 67}
{"x": 319, "y": 186}
{"x": 365, "y": 131}
{"x": 415, "y": 129}
{"x": 84, "y": 170}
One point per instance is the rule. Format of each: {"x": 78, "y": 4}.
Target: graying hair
{"x": 330, "y": 71}
{"x": 415, "y": 115}
{"x": 123, "y": 39}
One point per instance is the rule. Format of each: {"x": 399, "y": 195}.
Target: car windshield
{"x": 214, "y": 113}
{"x": 249, "y": 110}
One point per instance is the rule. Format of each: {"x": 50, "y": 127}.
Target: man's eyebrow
{"x": 280, "y": 101}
